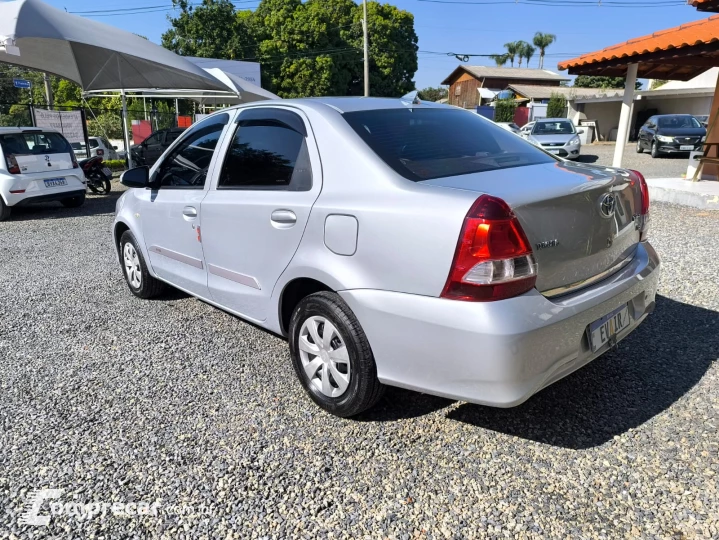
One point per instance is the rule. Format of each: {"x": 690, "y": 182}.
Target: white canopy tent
{"x": 96, "y": 56}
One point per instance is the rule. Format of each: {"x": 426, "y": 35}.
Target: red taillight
{"x": 12, "y": 166}
{"x": 642, "y": 221}
{"x": 494, "y": 259}
{"x": 75, "y": 164}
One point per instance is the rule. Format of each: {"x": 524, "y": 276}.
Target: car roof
{"x": 347, "y": 104}
{"x": 553, "y": 120}
{"x": 27, "y": 129}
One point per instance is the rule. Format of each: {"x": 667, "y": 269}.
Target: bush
{"x": 557, "y": 106}
{"x": 504, "y": 110}
{"x": 114, "y": 164}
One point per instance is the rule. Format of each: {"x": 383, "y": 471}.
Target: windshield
{"x": 555, "y": 127}
{"x": 422, "y": 144}
{"x": 36, "y": 142}
{"x": 678, "y": 122}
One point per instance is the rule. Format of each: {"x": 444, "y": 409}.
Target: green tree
{"x": 528, "y": 52}
{"x": 432, "y": 94}
{"x": 589, "y": 81}
{"x": 521, "y": 46}
{"x": 656, "y": 83}
{"x": 504, "y": 110}
{"x": 513, "y": 50}
{"x": 542, "y": 41}
{"x": 500, "y": 59}
{"x": 557, "y": 106}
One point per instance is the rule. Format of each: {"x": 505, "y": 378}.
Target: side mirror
{"x": 139, "y": 177}
{"x": 580, "y": 131}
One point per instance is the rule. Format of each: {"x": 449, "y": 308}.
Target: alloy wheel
{"x": 132, "y": 265}
{"x": 324, "y": 356}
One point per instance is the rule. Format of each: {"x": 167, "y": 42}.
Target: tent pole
{"x": 365, "y": 24}
{"x": 177, "y": 113}
{"x": 125, "y": 130}
{"x": 625, "y": 117}
{"x": 144, "y": 106}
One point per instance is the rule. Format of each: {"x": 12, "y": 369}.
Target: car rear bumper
{"x": 50, "y": 197}
{"x": 496, "y": 353}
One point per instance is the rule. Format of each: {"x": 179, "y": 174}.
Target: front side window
{"x": 171, "y": 136}
{"x": 267, "y": 152}
{"x": 557, "y": 127}
{"x": 422, "y": 144}
{"x": 187, "y": 165}
{"x": 153, "y": 139}
{"x": 94, "y": 143}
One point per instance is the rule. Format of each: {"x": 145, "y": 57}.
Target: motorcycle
{"x": 98, "y": 177}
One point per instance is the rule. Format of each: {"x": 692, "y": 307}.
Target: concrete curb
{"x": 702, "y": 195}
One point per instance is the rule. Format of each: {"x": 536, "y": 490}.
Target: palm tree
{"x": 521, "y": 47}
{"x": 500, "y": 59}
{"x": 542, "y": 41}
{"x": 528, "y": 51}
{"x": 512, "y": 50}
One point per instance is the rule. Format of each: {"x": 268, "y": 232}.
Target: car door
{"x": 170, "y": 214}
{"x": 254, "y": 217}
{"x": 650, "y": 131}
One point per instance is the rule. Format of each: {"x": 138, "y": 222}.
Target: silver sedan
{"x": 557, "y": 136}
{"x": 393, "y": 242}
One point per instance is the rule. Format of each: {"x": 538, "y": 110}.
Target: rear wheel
{"x": 102, "y": 187}
{"x": 74, "y": 202}
{"x": 137, "y": 276}
{"x": 655, "y": 150}
{"x": 639, "y": 147}
{"x": 4, "y": 210}
{"x": 332, "y": 356}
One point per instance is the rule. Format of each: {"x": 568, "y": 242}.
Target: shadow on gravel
{"x": 94, "y": 205}
{"x": 652, "y": 369}
{"x": 398, "y": 403}
{"x": 587, "y": 158}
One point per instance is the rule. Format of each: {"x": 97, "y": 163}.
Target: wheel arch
{"x": 292, "y": 293}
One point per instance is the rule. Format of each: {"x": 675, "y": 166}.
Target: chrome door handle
{"x": 189, "y": 212}
{"x": 283, "y": 219}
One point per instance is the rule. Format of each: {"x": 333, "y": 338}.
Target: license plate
{"x": 55, "y": 182}
{"x": 603, "y": 330}
{"x": 107, "y": 171}
{"x": 686, "y": 147}
{"x": 552, "y": 151}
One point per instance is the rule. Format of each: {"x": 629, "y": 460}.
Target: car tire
{"x": 342, "y": 378}
{"x": 134, "y": 268}
{"x": 73, "y": 202}
{"x": 639, "y": 147}
{"x": 4, "y": 210}
{"x": 655, "y": 150}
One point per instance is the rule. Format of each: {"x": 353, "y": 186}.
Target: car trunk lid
{"x": 36, "y": 151}
{"x": 580, "y": 219}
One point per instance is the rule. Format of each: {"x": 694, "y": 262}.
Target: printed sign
{"x": 21, "y": 83}
{"x": 69, "y": 123}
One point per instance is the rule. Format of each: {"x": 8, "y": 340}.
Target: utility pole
{"x": 48, "y": 90}
{"x": 365, "y": 24}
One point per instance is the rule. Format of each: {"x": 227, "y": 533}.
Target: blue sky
{"x": 461, "y": 28}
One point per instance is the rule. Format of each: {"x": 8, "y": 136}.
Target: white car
{"x": 526, "y": 129}
{"x": 99, "y": 146}
{"x": 38, "y": 165}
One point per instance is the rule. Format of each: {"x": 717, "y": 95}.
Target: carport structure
{"x": 679, "y": 53}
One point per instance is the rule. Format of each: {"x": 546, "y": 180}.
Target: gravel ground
{"x": 663, "y": 167}
{"x": 115, "y": 399}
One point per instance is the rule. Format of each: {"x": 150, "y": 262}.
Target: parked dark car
{"x": 671, "y": 133}
{"x": 150, "y": 150}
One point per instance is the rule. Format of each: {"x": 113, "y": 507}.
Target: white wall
{"x": 696, "y": 105}
{"x": 606, "y": 114}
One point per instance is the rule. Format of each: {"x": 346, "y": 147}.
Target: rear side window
{"x": 268, "y": 151}
{"x": 94, "y": 143}
{"x": 187, "y": 165}
{"x": 422, "y": 144}
{"x": 25, "y": 144}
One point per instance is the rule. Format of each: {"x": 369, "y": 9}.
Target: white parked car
{"x": 99, "y": 146}
{"x": 37, "y": 165}
{"x": 394, "y": 243}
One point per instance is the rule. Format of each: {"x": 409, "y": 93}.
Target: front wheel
{"x": 138, "y": 278}
{"x": 655, "y": 150}
{"x": 639, "y": 147}
{"x": 332, "y": 356}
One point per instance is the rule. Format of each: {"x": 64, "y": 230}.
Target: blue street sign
{"x": 21, "y": 83}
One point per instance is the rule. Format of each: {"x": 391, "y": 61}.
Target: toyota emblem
{"x": 607, "y": 204}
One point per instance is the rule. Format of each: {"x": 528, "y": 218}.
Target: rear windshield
{"x": 422, "y": 144}
{"x": 25, "y": 144}
{"x": 554, "y": 128}
{"x": 677, "y": 122}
